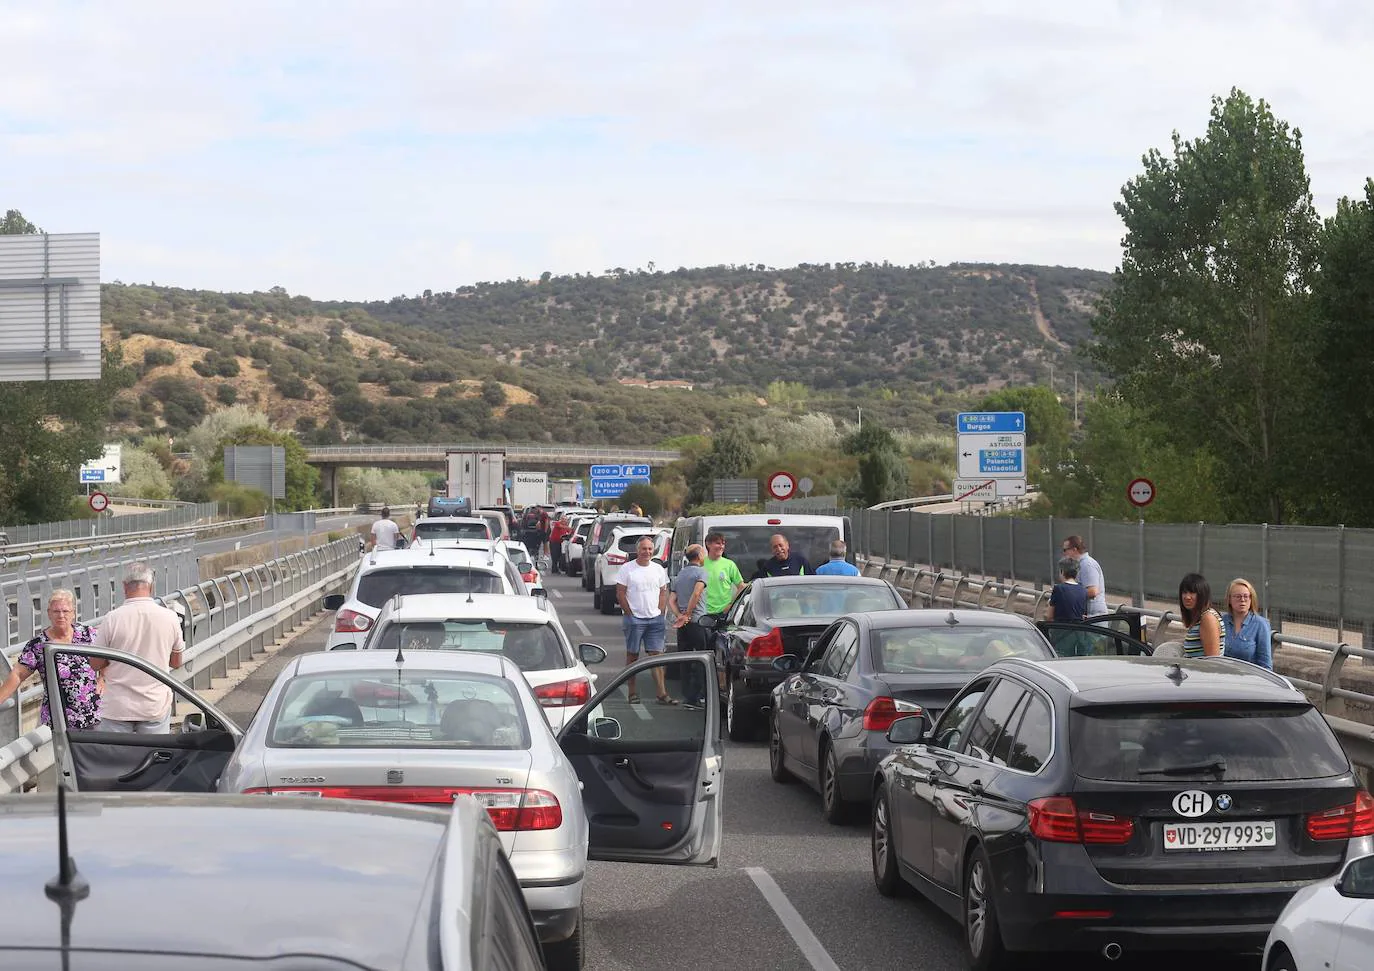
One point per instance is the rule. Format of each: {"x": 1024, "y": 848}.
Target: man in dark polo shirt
{"x": 783, "y": 562}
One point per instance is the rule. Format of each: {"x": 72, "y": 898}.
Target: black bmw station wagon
{"x": 1116, "y": 804}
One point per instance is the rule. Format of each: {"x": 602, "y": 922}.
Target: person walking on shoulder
{"x": 1246, "y": 635}
{"x": 642, "y": 592}
{"x": 135, "y": 702}
{"x": 385, "y": 533}
{"x": 837, "y": 566}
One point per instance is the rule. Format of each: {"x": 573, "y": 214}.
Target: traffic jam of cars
{"x": 1106, "y": 803}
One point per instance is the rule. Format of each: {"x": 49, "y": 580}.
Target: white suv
{"x": 619, "y": 550}
{"x": 518, "y": 627}
{"x": 420, "y": 569}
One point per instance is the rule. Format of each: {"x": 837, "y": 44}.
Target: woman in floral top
{"x": 75, "y": 674}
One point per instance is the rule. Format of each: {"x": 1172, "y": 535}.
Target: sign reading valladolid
{"x": 990, "y": 447}
{"x": 50, "y": 307}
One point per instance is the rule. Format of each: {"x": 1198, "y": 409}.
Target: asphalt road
{"x": 791, "y": 892}
{"x": 258, "y": 537}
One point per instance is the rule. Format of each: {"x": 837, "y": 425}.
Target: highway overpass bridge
{"x": 331, "y": 458}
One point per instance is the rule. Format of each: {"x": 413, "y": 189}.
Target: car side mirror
{"x": 709, "y": 621}
{"x": 345, "y": 646}
{"x": 1358, "y": 879}
{"x": 525, "y": 566}
{"x": 786, "y": 663}
{"x": 593, "y": 549}
{"x": 605, "y": 728}
{"x": 334, "y": 601}
{"x": 194, "y": 721}
{"x": 591, "y": 653}
{"x": 907, "y": 731}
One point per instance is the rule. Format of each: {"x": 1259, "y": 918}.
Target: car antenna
{"x": 400, "y": 685}
{"x": 69, "y": 887}
{"x": 1176, "y": 674}
{"x": 951, "y": 619}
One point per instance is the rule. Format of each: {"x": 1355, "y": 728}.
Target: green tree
{"x": 1345, "y": 353}
{"x": 14, "y": 224}
{"x": 731, "y": 455}
{"x": 645, "y": 495}
{"x": 1206, "y": 327}
{"x": 883, "y": 475}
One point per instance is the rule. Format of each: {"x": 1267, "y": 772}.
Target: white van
{"x": 746, "y": 537}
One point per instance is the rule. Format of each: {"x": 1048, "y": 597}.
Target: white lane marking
{"x": 808, "y": 943}
{"x": 556, "y": 594}
{"x": 641, "y": 711}
{"x": 581, "y": 627}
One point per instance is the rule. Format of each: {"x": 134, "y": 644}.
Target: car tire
{"x": 886, "y": 877}
{"x": 608, "y": 601}
{"x": 596, "y": 598}
{"x": 777, "y": 770}
{"x": 737, "y": 725}
{"x": 569, "y": 954}
{"x": 1280, "y": 959}
{"x": 982, "y": 933}
{"x": 833, "y": 807}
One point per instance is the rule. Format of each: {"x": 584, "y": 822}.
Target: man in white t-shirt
{"x": 642, "y": 592}
{"x": 385, "y": 533}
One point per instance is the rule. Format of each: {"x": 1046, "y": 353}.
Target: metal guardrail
{"x": 341, "y": 453}
{"x": 17, "y": 552}
{"x": 228, "y": 620}
{"x": 79, "y": 529}
{"x": 942, "y": 588}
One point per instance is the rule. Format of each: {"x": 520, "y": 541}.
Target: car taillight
{"x": 351, "y": 622}
{"x": 1057, "y": 820}
{"x": 765, "y": 645}
{"x": 509, "y": 809}
{"x": 560, "y": 694}
{"x": 528, "y": 577}
{"x": 883, "y": 711}
{"x": 1344, "y": 822}
{"x": 617, "y": 559}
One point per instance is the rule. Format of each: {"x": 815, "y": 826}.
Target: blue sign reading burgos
{"x": 976, "y": 422}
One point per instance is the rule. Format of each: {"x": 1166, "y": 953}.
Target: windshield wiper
{"x": 1217, "y": 765}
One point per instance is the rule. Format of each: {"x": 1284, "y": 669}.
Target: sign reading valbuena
{"x": 610, "y": 481}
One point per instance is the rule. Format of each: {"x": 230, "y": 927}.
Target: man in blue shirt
{"x": 836, "y": 566}
{"x": 783, "y": 562}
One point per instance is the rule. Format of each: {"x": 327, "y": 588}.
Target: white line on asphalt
{"x": 581, "y": 627}
{"x": 810, "y": 945}
{"x": 556, "y": 594}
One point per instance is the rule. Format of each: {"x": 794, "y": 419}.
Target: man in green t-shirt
{"x": 723, "y": 581}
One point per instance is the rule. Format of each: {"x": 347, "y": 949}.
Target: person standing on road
{"x": 1246, "y": 635}
{"x": 783, "y": 562}
{"x": 1068, "y": 599}
{"x": 1203, "y": 637}
{"x": 723, "y": 579}
{"x": 76, "y": 675}
{"x": 642, "y": 591}
{"x": 135, "y": 702}
{"x": 837, "y": 566}
{"x": 385, "y": 533}
{"x": 557, "y": 533}
{"x": 1089, "y": 574}
{"x": 688, "y": 605}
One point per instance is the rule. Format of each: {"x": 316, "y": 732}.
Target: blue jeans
{"x": 646, "y": 630}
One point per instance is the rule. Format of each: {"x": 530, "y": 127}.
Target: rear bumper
{"x": 551, "y": 882}
{"x": 1204, "y": 922}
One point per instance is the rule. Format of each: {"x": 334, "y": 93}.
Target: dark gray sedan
{"x": 830, "y": 715}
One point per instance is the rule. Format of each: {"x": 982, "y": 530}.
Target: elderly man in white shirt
{"x": 133, "y": 701}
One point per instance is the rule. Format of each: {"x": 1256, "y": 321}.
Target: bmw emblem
{"x": 1223, "y": 802}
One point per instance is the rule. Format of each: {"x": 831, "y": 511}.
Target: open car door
{"x": 190, "y": 758}
{"x": 1107, "y": 637}
{"x": 652, "y": 773}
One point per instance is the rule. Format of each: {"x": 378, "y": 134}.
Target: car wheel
{"x": 885, "y": 874}
{"x": 596, "y": 598}
{"x": 982, "y": 933}
{"x": 608, "y": 602}
{"x": 1281, "y": 960}
{"x": 776, "y": 768}
{"x": 833, "y": 807}
{"x": 736, "y": 724}
{"x": 569, "y": 954}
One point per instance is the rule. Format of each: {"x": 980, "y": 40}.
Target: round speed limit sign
{"x": 1141, "y": 492}
{"x": 98, "y": 501}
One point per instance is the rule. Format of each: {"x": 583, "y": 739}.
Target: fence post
{"x": 1011, "y": 546}
{"x": 910, "y": 539}
{"x": 1201, "y": 527}
{"x": 982, "y": 555}
{"x": 930, "y": 540}
{"x": 1340, "y": 583}
{"x": 1275, "y": 615}
{"x": 887, "y": 534}
{"x": 1054, "y": 550}
{"x": 1139, "y": 599}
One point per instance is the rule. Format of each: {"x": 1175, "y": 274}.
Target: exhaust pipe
{"x": 1111, "y": 951}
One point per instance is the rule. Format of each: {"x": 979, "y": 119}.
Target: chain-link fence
{"x": 170, "y": 518}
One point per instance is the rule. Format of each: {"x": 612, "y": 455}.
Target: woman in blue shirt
{"x": 1245, "y": 634}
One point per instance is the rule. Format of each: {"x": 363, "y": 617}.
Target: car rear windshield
{"x": 412, "y": 709}
{"x": 448, "y": 529}
{"x": 944, "y": 649}
{"x": 1234, "y": 743}
{"x": 629, "y": 542}
{"x": 533, "y": 647}
{"x": 378, "y": 586}
{"x": 828, "y": 599}
{"x": 747, "y": 545}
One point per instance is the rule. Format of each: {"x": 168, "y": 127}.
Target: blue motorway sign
{"x": 971, "y": 422}
{"x": 635, "y": 471}
{"x": 611, "y": 488}
{"x": 620, "y": 472}
{"x": 92, "y": 475}
{"x": 605, "y": 471}
{"x": 993, "y": 461}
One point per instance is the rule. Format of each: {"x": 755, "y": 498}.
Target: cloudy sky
{"x": 352, "y": 149}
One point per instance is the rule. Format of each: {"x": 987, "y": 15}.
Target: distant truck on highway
{"x": 529, "y": 488}
{"x": 479, "y": 476}
{"x": 563, "y": 491}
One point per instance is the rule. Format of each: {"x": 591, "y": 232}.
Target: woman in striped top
{"x": 1203, "y": 638}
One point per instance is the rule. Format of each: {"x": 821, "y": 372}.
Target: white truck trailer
{"x": 477, "y": 475}
{"x": 529, "y": 488}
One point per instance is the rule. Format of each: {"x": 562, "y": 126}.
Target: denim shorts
{"x": 649, "y": 631}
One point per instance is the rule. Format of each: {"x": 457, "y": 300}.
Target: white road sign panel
{"x": 105, "y": 469}
{"x": 1010, "y": 487}
{"x": 992, "y": 455}
{"x": 975, "y": 490}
